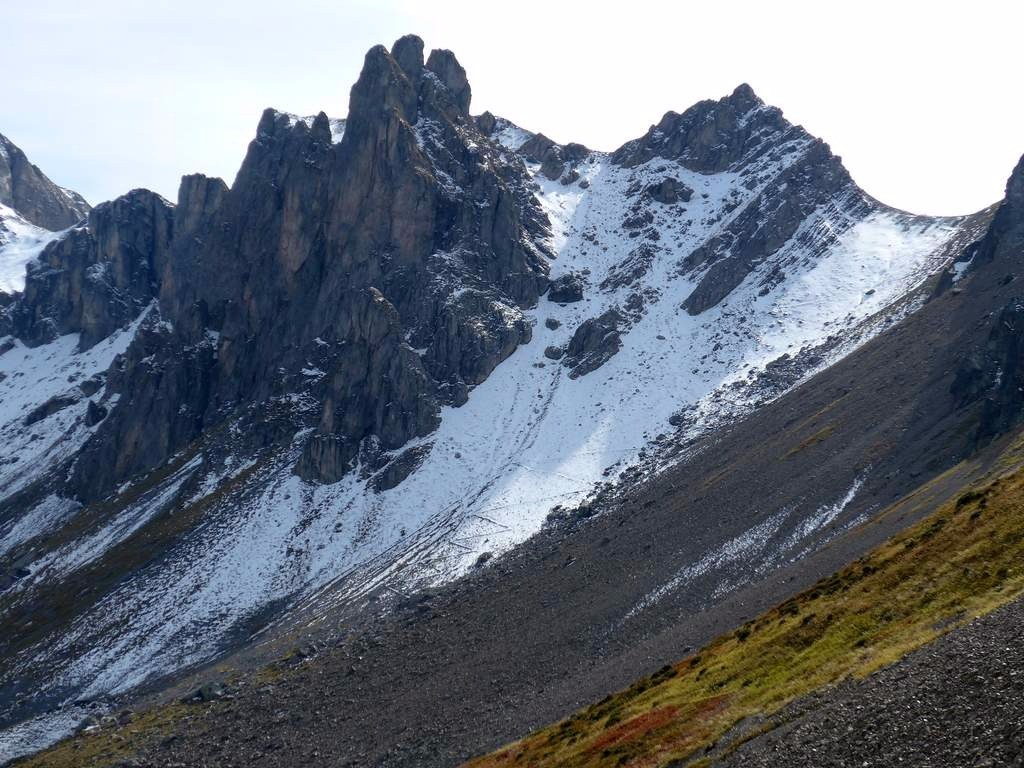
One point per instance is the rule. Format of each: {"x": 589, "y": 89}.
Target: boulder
{"x": 551, "y": 164}
{"x": 670, "y": 190}
{"x": 595, "y": 342}
{"x": 567, "y": 288}
{"x": 401, "y": 467}
{"x": 92, "y": 385}
{"x": 486, "y": 122}
{"x": 570, "y": 177}
{"x": 50, "y": 407}
{"x": 95, "y": 413}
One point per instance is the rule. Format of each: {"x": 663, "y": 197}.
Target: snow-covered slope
{"x": 20, "y": 243}
{"x": 536, "y": 436}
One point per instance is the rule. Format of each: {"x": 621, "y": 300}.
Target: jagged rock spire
{"x": 408, "y": 53}
{"x": 444, "y": 64}
{"x": 395, "y": 80}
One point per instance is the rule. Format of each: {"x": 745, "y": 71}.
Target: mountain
{"x": 421, "y": 380}
{"x": 27, "y": 190}
{"x": 31, "y": 208}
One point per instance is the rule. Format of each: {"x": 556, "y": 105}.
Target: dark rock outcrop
{"x": 446, "y": 67}
{"x": 567, "y": 288}
{"x": 400, "y": 468}
{"x": 199, "y": 197}
{"x": 50, "y": 407}
{"x": 670, "y": 190}
{"x": 487, "y": 123}
{"x": 28, "y": 191}
{"x": 95, "y": 413}
{"x": 1006, "y": 234}
{"x": 380, "y": 276}
{"x": 993, "y": 375}
{"x": 769, "y": 222}
{"x": 377, "y": 387}
{"x": 594, "y": 343}
{"x": 100, "y": 276}
{"x": 553, "y": 158}
{"x": 536, "y": 147}
{"x": 711, "y": 136}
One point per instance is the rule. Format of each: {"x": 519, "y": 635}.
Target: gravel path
{"x": 957, "y": 702}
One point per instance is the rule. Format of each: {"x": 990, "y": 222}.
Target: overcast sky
{"x": 922, "y": 100}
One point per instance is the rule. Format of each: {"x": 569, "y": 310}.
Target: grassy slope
{"x": 963, "y": 560}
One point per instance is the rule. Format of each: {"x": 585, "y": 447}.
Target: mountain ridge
{"x": 398, "y": 347}
{"x": 32, "y": 208}
{"x": 28, "y": 191}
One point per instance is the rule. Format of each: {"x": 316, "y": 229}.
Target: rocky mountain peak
{"x": 100, "y": 275}
{"x": 712, "y": 136}
{"x": 384, "y": 85}
{"x": 394, "y": 260}
{"x": 408, "y": 53}
{"x": 28, "y": 191}
{"x": 399, "y": 80}
{"x": 451, "y": 74}
{"x": 744, "y": 98}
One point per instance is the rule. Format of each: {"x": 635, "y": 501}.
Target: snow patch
{"x": 20, "y": 244}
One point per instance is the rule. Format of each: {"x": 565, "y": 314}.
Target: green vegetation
{"x": 962, "y": 561}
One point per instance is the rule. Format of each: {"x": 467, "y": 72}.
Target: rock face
{"x": 993, "y": 375}
{"x": 594, "y": 343}
{"x": 1006, "y": 235}
{"x": 567, "y": 289}
{"x": 553, "y": 158}
{"x": 767, "y": 224}
{"x": 27, "y": 190}
{"x": 99, "y": 276}
{"x": 670, "y": 190}
{"x": 709, "y": 137}
{"x": 382, "y": 276}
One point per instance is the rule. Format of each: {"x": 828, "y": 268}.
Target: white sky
{"x": 921, "y": 99}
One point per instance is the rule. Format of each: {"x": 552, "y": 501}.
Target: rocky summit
{"x": 429, "y": 429}
{"x": 31, "y": 208}
{"x": 27, "y": 190}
